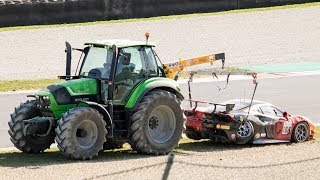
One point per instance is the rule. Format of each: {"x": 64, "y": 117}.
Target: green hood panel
{"x": 77, "y": 88}
{"x": 82, "y": 86}
{"x": 149, "y": 84}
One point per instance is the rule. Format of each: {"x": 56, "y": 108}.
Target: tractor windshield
{"x": 97, "y": 58}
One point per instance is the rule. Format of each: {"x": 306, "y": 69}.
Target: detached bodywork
{"x": 264, "y": 123}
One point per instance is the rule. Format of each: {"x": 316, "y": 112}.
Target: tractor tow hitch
{"x": 40, "y": 126}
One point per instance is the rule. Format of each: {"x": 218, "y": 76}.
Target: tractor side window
{"x": 152, "y": 63}
{"x": 127, "y": 74}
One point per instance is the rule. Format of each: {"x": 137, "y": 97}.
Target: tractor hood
{"x": 68, "y": 92}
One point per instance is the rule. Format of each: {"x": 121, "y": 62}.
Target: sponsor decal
{"x": 225, "y": 127}
{"x": 257, "y": 136}
{"x": 191, "y": 62}
{"x": 173, "y": 64}
{"x": 263, "y": 135}
{"x": 233, "y": 136}
{"x": 82, "y": 99}
{"x": 287, "y": 127}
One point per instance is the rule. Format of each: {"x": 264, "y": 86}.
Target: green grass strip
{"x": 14, "y": 85}
{"x": 161, "y": 17}
{"x": 284, "y": 68}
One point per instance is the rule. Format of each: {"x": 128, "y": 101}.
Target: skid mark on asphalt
{"x": 248, "y": 167}
{"x": 207, "y": 166}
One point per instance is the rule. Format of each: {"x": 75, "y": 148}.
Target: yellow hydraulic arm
{"x": 172, "y": 69}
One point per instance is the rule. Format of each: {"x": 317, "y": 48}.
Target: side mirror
{"x": 126, "y": 57}
{"x": 229, "y": 107}
{"x": 285, "y": 114}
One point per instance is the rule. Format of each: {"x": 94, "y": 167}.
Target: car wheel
{"x": 245, "y": 132}
{"x": 300, "y": 132}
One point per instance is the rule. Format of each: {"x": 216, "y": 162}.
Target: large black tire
{"x": 112, "y": 144}
{"x": 81, "y": 132}
{"x": 156, "y": 125}
{"x": 245, "y": 133}
{"x": 28, "y": 143}
{"x": 300, "y": 132}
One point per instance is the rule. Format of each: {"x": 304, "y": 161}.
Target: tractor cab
{"x": 122, "y": 62}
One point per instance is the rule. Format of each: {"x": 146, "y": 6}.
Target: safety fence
{"x": 31, "y": 12}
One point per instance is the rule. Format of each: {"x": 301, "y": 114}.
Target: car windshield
{"x": 97, "y": 58}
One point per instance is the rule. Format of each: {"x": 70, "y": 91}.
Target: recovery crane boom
{"x": 172, "y": 69}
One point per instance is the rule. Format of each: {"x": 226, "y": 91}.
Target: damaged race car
{"x": 246, "y": 121}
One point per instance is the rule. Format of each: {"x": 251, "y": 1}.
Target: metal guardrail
{"x": 29, "y": 12}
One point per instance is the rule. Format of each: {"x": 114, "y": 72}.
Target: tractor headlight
{"x": 43, "y": 101}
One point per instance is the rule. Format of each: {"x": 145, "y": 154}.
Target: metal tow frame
{"x": 215, "y": 75}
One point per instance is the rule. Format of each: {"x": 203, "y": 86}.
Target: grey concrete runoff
{"x": 263, "y": 37}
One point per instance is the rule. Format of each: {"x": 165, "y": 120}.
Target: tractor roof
{"x": 120, "y": 43}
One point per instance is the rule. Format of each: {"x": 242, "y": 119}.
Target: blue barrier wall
{"x": 31, "y": 12}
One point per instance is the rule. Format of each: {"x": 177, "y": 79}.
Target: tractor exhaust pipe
{"x": 68, "y": 61}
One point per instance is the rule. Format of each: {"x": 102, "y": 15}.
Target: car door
{"x": 277, "y": 127}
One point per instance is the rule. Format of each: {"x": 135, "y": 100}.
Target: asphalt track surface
{"x": 265, "y": 37}
{"x": 297, "y": 95}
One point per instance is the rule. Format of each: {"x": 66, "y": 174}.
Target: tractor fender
{"x": 106, "y": 115}
{"x": 150, "y": 85}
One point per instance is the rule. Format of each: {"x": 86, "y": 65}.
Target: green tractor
{"x": 120, "y": 93}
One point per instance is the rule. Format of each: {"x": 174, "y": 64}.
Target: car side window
{"x": 278, "y": 112}
{"x": 271, "y": 111}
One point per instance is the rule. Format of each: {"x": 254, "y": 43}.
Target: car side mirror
{"x": 285, "y": 114}
{"x": 126, "y": 57}
{"x": 229, "y": 107}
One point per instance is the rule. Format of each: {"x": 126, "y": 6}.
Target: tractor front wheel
{"x": 27, "y": 143}
{"x": 81, "y": 132}
{"x": 156, "y": 123}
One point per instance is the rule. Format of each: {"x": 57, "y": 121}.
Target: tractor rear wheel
{"x": 156, "y": 123}
{"x": 81, "y": 132}
{"x": 28, "y": 143}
